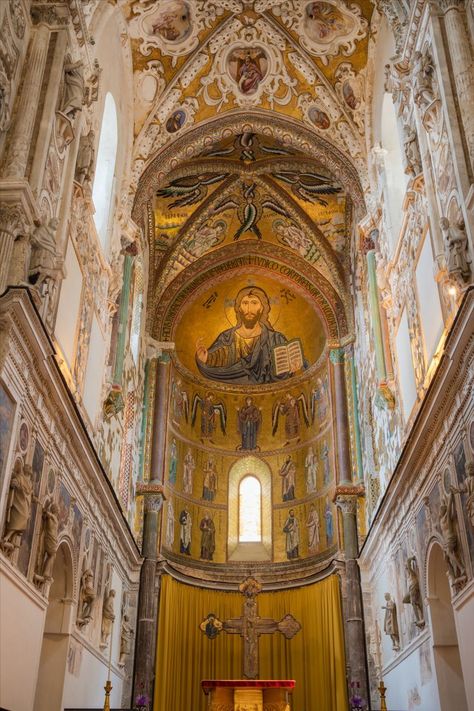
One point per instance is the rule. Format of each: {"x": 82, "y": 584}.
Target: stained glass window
{"x": 250, "y": 510}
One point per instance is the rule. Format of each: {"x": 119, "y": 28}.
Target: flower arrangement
{"x": 356, "y": 701}
{"x": 141, "y": 702}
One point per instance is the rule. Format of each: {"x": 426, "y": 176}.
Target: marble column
{"x": 462, "y": 62}
{"x": 145, "y": 649}
{"x": 12, "y": 224}
{"x": 356, "y": 659}
{"x": 337, "y": 358}
{"x": 22, "y": 131}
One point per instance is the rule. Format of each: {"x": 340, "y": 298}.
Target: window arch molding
{"x": 257, "y": 550}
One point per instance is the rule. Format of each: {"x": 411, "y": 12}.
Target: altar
{"x": 248, "y": 694}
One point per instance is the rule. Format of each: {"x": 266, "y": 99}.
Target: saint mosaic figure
{"x": 319, "y": 400}
{"x": 209, "y": 483}
{"x": 208, "y": 537}
{"x": 287, "y": 472}
{"x": 210, "y": 410}
{"x": 185, "y": 534}
{"x": 245, "y": 353}
{"x": 179, "y": 403}
{"x": 189, "y": 465}
{"x": 169, "y": 538}
{"x": 312, "y": 525}
{"x": 249, "y": 422}
{"x": 390, "y": 625}
{"x": 173, "y": 467}
{"x": 311, "y": 467}
{"x": 292, "y": 531}
{"x": 328, "y": 516}
{"x": 326, "y": 463}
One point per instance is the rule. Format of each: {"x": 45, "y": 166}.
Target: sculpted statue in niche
{"x": 46, "y": 261}
{"x": 85, "y": 159}
{"x": 20, "y": 497}
{"x": 86, "y": 598}
{"x": 48, "y": 546}
{"x": 390, "y": 625}
{"x": 412, "y": 151}
{"x": 413, "y": 596}
{"x": 456, "y": 245}
{"x": 126, "y": 634}
{"x": 73, "y": 93}
{"x": 108, "y": 617}
{"x": 467, "y": 487}
{"x": 447, "y": 527}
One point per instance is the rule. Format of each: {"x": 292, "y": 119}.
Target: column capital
{"x": 13, "y": 219}
{"x": 337, "y": 356}
{"x": 445, "y": 5}
{"x": 154, "y": 495}
{"x": 159, "y": 349}
{"x": 49, "y": 15}
{"x": 346, "y": 498}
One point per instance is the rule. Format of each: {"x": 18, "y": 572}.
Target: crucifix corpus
{"x": 250, "y": 626}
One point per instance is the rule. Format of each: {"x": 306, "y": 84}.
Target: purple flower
{"x": 142, "y": 700}
{"x": 357, "y": 702}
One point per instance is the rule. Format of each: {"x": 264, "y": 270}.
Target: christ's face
{"x": 250, "y": 310}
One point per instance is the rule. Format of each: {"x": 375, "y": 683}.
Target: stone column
{"x": 337, "y": 358}
{"x": 145, "y": 649}
{"x": 22, "y": 131}
{"x": 12, "y": 223}
{"x": 463, "y": 66}
{"x": 356, "y": 660}
{"x": 355, "y": 403}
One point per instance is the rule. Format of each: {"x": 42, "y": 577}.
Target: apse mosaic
{"x": 249, "y": 331}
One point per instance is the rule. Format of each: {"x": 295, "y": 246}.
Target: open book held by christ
{"x": 288, "y": 358}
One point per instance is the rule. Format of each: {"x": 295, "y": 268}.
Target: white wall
{"x": 428, "y": 300}
{"x": 464, "y": 619}
{"x": 406, "y": 372}
{"x": 22, "y": 615}
{"x": 94, "y": 371}
{"x": 68, "y": 309}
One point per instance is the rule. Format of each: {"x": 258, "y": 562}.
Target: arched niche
{"x": 446, "y": 656}
{"x": 250, "y": 551}
{"x": 57, "y": 631}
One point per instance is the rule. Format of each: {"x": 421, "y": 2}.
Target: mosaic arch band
{"x": 252, "y": 351}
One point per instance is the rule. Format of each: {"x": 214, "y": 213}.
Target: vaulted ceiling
{"x": 249, "y": 131}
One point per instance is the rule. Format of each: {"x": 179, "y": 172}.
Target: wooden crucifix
{"x": 250, "y": 626}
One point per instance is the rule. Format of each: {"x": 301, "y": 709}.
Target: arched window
{"x": 396, "y": 180}
{"x": 250, "y": 510}
{"x": 105, "y": 169}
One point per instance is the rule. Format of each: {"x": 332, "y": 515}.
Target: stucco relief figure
{"x": 126, "y": 634}
{"x": 249, "y": 422}
{"x": 49, "y": 539}
{"x": 20, "y": 497}
{"x": 169, "y": 536}
{"x": 413, "y": 595}
{"x": 412, "y": 151}
{"x": 185, "y": 534}
{"x": 45, "y": 261}
{"x": 456, "y": 247}
{"x": 390, "y": 625}
{"x": 85, "y": 159}
{"x": 289, "y": 408}
{"x": 73, "y": 93}
{"x": 311, "y": 468}
{"x": 173, "y": 22}
{"x": 451, "y": 547}
{"x": 292, "y": 531}
{"x": 246, "y": 353}
{"x": 467, "y": 487}
{"x": 210, "y": 410}
{"x": 288, "y": 472}
{"x": 312, "y": 526}
{"x": 248, "y": 68}
{"x": 424, "y": 77}
{"x": 189, "y": 465}
{"x": 209, "y": 482}
{"x": 208, "y": 537}
{"x": 86, "y": 598}
{"x": 108, "y": 617}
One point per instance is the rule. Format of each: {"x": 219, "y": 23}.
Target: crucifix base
{"x": 248, "y": 695}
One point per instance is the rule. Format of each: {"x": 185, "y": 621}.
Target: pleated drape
{"x": 314, "y": 657}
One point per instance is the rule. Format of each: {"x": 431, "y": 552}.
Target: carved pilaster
{"x": 12, "y": 224}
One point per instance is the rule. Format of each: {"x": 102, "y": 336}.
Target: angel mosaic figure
{"x": 290, "y": 409}
{"x": 179, "y": 403}
{"x": 210, "y": 410}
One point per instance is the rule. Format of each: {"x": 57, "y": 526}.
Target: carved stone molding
{"x": 12, "y": 219}
{"x": 51, "y": 15}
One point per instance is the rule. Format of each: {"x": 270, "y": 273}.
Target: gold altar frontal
{"x": 248, "y": 694}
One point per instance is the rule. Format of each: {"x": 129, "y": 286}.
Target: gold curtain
{"x": 314, "y": 658}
